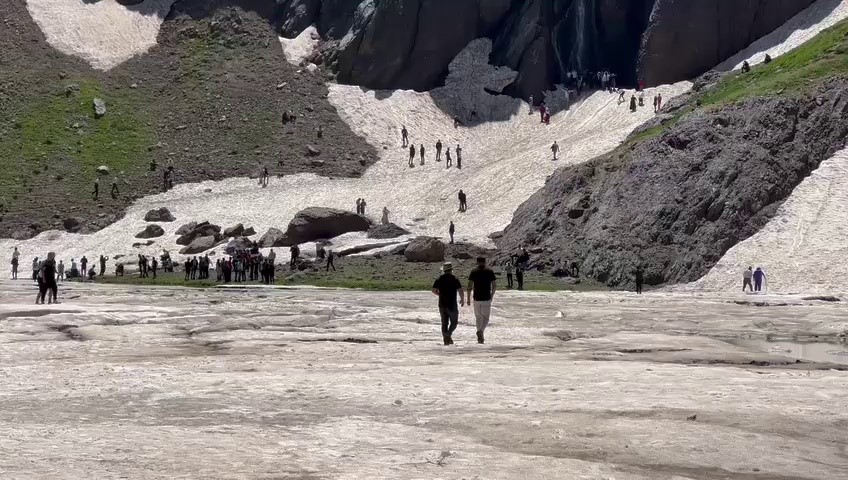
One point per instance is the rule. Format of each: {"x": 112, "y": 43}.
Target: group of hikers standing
{"x": 421, "y": 152}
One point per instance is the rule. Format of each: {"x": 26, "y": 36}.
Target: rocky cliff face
{"x": 685, "y": 38}
{"x": 724, "y": 174}
{"x": 409, "y": 43}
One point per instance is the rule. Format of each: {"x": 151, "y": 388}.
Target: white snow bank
{"x": 804, "y": 247}
{"x": 300, "y": 48}
{"x": 103, "y": 33}
{"x": 799, "y": 29}
{"x": 504, "y": 163}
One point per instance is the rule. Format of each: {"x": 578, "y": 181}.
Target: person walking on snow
{"x": 385, "y": 219}
{"x": 463, "y": 206}
{"x": 482, "y": 284}
{"x": 659, "y": 102}
{"x": 422, "y": 151}
{"x": 555, "y": 149}
{"x": 446, "y": 287}
{"x": 60, "y": 271}
{"x": 747, "y": 276}
{"x": 362, "y": 206}
{"x": 404, "y": 135}
{"x": 759, "y": 276}
{"x": 114, "y": 192}
{"x": 439, "y": 150}
{"x": 411, "y": 156}
{"x": 530, "y": 104}
{"x": 451, "y": 231}
{"x": 448, "y": 160}
{"x": 458, "y": 157}
{"x": 633, "y": 103}
{"x": 359, "y": 206}
{"x": 96, "y": 188}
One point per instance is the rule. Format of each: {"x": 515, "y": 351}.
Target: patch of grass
{"x": 538, "y": 283}
{"x": 796, "y": 72}
{"x": 60, "y": 133}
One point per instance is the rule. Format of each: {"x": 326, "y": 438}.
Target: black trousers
{"x": 519, "y": 276}
{"x": 508, "y": 280}
{"x": 450, "y": 319}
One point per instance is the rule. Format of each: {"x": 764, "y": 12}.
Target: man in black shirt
{"x": 482, "y": 283}
{"x": 446, "y": 288}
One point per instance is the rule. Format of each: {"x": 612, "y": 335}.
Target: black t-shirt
{"x": 482, "y": 278}
{"x": 447, "y": 285}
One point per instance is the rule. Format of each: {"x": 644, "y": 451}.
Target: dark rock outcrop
{"x": 317, "y": 223}
{"x": 151, "y": 231}
{"x": 249, "y": 232}
{"x": 425, "y": 250}
{"x": 236, "y": 244}
{"x": 199, "y": 245}
{"x": 675, "y": 204}
{"x": 390, "y": 230}
{"x": 159, "y": 215}
{"x": 407, "y": 44}
{"x": 274, "y": 237}
{"x": 204, "y": 229}
{"x": 685, "y": 38}
{"x": 186, "y": 228}
{"x": 234, "y": 231}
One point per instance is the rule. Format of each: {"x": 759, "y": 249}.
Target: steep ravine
{"x": 674, "y": 204}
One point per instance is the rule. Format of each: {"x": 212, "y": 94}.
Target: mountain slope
{"x": 679, "y": 195}
{"x": 208, "y": 98}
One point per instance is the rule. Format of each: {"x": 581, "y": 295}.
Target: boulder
{"x": 425, "y": 250}
{"x": 316, "y": 223}
{"x": 199, "y": 245}
{"x": 145, "y": 244}
{"x": 159, "y": 215}
{"x": 151, "y": 231}
{"x": 204, "y": 229}
{"x": 99, "y": 107}
{"x": 234, "y": 231}
{"x": 73, "y": 224}
{"x": 236, "y": 244}
{"x": 249, "y": 232}
{"x": 312, "y": 151}
{"x": 386, "y": 231}
{"x": 103, "y": 170}
{"x": 274, "y": 237}
{"x": 186, "y": 228}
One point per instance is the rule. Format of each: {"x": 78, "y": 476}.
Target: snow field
{"x": 103, "y": 33}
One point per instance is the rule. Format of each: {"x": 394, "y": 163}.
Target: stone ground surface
{"x": 142, "y": 383}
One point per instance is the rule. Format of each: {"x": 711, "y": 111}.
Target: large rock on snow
{"x": 151, "y": 231}
{"x": 234, "y": 231}
{"x": 236, "y": 244}
{"x": 390, "y": 230}
{"x": 204, "y": 229}
{"x": 685, "y": 38}
{"x": 725, "y": 172}
{"x": 274, "y": 237}
{"x": 199, "y": 245}
{"x": 159, "y": 215}
{"x": 425, "y": 249}
{"x": 186, "y": 228}
{"x": 316, "y": 223}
